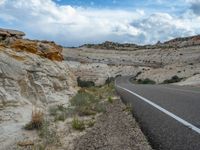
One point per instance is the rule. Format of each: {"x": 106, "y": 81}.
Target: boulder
{"x": 4, "y": 33}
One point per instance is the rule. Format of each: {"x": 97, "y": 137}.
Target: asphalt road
{"x": 169, "y": 115}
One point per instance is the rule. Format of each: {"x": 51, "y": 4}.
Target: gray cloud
{"x": 195, "y": 7}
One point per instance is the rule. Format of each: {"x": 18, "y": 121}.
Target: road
{"x": 169, "y": 115}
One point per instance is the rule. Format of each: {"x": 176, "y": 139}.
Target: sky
{"x": 77, "y": 22}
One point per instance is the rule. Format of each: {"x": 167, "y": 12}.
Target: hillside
{"x": 158, "y": 62}
{"x": 174, "y": 43}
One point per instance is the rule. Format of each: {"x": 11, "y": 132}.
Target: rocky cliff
{"x": 32, "y": 74}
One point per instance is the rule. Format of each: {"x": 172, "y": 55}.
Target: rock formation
{"x": 14, "y": 39}
{"x": 32, "y": 74}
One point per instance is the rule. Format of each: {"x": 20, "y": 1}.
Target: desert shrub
{"x": 85, "y": 104}
{"x": 36, "y": 122}
{"x": 100, "y": 108}
{"x": 174, "y": 79}
{"x": 145, "y": 81}
{"x": 60, "y": 112}
{"x": 78, "y": 124}
{"x": 128, "y": 108}
{"x": 82, "y": 83}
{"x": 110, "y": 100}
{"x": 83, "y": 99}
{"x": 91, "y": 123}
{"x": 48, "y": 134}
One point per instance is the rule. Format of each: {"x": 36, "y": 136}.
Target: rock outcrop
{"x": 14, "y": 39}
{"x": 8, "y": 33}
{"x": 184, "y": 41}
{"x": 31, "y": 75}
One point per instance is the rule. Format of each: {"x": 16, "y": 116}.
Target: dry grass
{"x": 37, "y": 119}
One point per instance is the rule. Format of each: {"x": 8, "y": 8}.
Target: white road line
{"x": 189, "y": 125}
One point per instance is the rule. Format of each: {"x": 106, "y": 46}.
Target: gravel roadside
{"x": 114, "y": 130}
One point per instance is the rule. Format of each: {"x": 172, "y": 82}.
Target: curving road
{"x": 169, "y": 115}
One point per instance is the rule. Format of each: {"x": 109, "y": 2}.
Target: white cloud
{"x": 67, "y": 25}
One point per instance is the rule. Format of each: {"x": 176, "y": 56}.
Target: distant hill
{"x": 174, "y": 43}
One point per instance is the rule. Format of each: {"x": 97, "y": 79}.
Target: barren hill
{"x": 180, "y": 56}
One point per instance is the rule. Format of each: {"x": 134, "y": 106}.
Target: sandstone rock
{"x": 44, "y": 49}
{"x": 4, "y": 33}
{"x": 13, "y": 39}
{"x": 34, "y": 79}
{"x": 24, "y": 83}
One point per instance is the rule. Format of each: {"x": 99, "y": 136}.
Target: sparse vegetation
{"x": 60, "y": 112}
{"x": 85, "y": 104}
{"x": 90, "y": 101}
{"x": 82, "y": 83}
{"x": 78, "y": 124}
{"x": 91, "y": 123}
{"x": 48, "y": 134}
{"x": 36, "y": 122}
{"x": 110, "y": 100}
{"x": 174, "y": 79}
{"x": 145, "y": 81}
{"x": 128, "y": 108}
{"x": 191, "y": 64}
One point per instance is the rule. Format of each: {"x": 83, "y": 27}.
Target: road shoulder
{"x": 116, "y": 129}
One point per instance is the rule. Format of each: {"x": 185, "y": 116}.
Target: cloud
{"x": 195, "y": 6}
{"x": 71, "y": 26}
{"x": 162, "y": 27}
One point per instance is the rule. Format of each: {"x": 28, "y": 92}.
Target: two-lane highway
{"x": 169, "y": 115}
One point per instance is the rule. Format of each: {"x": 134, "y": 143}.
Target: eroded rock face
{"x": 27, "y": 81}
{"x": 4, "y": 33}
{"x": 30, "y": 78}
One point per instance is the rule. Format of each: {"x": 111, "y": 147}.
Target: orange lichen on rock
{"x": 14, "y": 39}
{"x": 24, "y": 45}
{"x": 42, "y": 48}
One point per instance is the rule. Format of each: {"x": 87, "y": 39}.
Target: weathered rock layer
{"x": 29, "y": 77}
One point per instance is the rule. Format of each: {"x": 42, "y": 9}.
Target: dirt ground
{"x": 114, "y": 130}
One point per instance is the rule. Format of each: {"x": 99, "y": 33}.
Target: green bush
{"x": 83, "y": 99}
{"x": 60, "y": 112}
{"x": 85, "y": 104}
{"x": 174, "y": 79}
{"x": 82, "y": 83}
{"x": 48, "y": 134}
{"x": 146, "y": 81}
{"x": 78, "y": 124}
{"x": 110, "y": 100}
